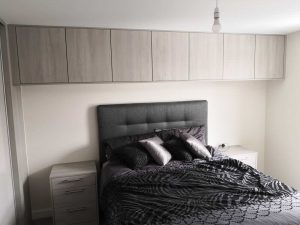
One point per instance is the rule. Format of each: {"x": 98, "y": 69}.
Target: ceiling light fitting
{"x": 216, "y": 28}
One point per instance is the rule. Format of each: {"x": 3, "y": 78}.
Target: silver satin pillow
{"x": 160, "y": 155}
{"x": 155, "y": 139}
{"x": 195, "y": 146}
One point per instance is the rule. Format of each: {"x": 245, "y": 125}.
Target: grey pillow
{"x": 160, "y": 155}
{"x": 195, "y": 146}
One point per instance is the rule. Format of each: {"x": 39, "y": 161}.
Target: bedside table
{"x": 74, "y": 193}
{"x": 242, "y": 154}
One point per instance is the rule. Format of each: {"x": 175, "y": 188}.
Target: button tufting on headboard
{"x": 130, "y": 119}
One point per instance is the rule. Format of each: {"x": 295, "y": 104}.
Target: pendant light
{"x": 216, "y": 28}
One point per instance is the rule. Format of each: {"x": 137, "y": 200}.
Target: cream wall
{"x": 60, "y": 120}
{"x": 283, "y": 119}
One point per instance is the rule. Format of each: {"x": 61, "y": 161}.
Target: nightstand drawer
{"x": 73, "y": 181}
{"x": 84, "y": 214}
{"x": 74, "y": 196}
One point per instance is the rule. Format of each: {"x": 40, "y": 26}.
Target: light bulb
{"x": 217, "y": 26}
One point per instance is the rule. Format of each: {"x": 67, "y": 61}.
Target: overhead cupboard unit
{"x": 45, "y": 55}
{"x": 131, "y": 55}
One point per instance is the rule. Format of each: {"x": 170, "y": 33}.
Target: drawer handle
{"x": 74, "y": 191}
{"x": 76, "y": 210}
{"x": 71, "y": 181}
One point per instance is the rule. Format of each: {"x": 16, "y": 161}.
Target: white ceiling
{"x": 237, "y": 16}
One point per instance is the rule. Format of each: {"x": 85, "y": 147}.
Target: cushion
{"x": 195, "y": 146}
{"x": 114, "y": 143}
{"x": 155, "y": 139}
{"x": 160, "y": 155}
{"x": 133, "y": 155}
{"x": 197, "y": 132}
{"x": 178, "y": 149}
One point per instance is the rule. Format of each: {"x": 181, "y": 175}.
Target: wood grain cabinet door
{"x": 239, "y": 53}
{"x": 131, "y": 55}
{"x": 42, "y": 55}
{"x": 170, "y": 56}
{"x": 269, "y": 56}
{"x": 89, "y": 55}
{"x": 206, "y": 56}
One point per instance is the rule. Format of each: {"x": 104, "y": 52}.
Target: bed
{"x": 216, "y": 191}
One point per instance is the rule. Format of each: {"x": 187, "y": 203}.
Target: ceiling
{"x": 237, "y": 16}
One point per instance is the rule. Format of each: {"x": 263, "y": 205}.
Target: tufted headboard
{"x": 130, "y": 119}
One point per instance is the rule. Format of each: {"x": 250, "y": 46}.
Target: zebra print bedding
{"x": 219, "y": 191}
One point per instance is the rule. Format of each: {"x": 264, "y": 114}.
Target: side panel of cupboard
{"x": 206, "y": 56}
{"x": 269, "y": 57}
{"x": 131, "y": 55}
{"x": 89, "y": 55}
{"x": 239, "y": 53}
{"x": 42, "y": 55}
{"x": 170, "y": 56}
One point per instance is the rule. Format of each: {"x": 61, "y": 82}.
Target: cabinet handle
{"x": 71, "y": 181}
{"x": 76, "y": 210}
{"x": 74, "y": 191}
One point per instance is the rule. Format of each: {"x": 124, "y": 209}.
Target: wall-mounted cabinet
{"x": 42, "y": 55}
{"x": 206, "y": 56}
{"x": 89, "y": 55}
{"x": 131, "y": 55}
{"x": 239, "y": 53}
{"x": 269, "y": 57}
{"x": 170, "y": 56}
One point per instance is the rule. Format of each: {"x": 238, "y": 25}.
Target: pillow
{"x": 133, "y": 155}
{"x": 197, "y": 132}
{"x": 178, "y": 150}
{"x": 195, "y": 146}
{"x": 155, "y": 139}
{"x": 114, "y": 143}
{"x": 160, "y": 155}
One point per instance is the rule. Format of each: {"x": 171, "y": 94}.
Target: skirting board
{"x": 41, "y": 213}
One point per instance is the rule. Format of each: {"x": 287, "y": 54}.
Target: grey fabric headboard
{"x": 130, "y": 119}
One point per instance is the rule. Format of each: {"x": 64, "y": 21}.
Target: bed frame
{"x": 130, "y": 119}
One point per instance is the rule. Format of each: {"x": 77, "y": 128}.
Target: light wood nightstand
{"x": 242, "y": 154}
{"x": 74, "y": 193}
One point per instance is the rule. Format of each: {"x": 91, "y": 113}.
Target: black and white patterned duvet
{"x": 222, "y": 191}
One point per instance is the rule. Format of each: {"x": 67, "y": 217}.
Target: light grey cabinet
{"x": 170, "y": 56}
{"x": 269, "y": 57}
{"x": 242, "y": 154}
{"x": 74, "y": 193}
{"x": 131, "y": 55}
{"x": 239, "y": 53}
{"x": 206, "y": 56}
{"x": 89, "y": 55}
{"x": 42, "y": 55}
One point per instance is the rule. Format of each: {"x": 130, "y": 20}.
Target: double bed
{"x": 220, "y": 190}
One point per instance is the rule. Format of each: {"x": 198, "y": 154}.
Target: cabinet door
{"x": 42, "y": 55}
{"x": 131, "y": 55}
{"x": 269, "y": 57}
{"x": 239, "y": 51}
{"x": 170, "y": 55}
{"x": 206, "y": 56}
{"x": 89, "y": 55}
